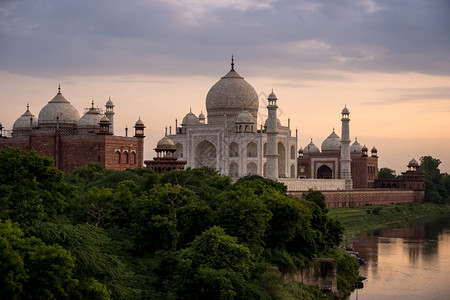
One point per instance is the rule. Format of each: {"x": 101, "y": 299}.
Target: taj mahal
{"x": 229, "y": 140}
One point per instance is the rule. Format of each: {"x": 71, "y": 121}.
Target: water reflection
{"x": 407, "y": 261}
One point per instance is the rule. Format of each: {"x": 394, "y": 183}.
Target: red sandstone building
{"x": 326, "y": 164}
{"x": 73, "y": 142}
{"x": 165, "y": 159}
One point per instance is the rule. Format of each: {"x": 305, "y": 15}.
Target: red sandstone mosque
{"x": 73, "y": 142}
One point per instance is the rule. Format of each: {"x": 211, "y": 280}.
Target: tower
{"x": 272, "y": 153}
{"x": 345, "y": 149}
{"x": 110, "y": 114}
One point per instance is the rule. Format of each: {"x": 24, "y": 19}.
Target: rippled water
{"x": 408, "y": 262}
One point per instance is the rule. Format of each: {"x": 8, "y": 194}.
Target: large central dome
{"x": 229, "y": 96}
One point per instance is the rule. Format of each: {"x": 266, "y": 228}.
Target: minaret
{"x": 271, "y": 130}
{"x": 346, "y": 172}
{"x": 110, "y": 114}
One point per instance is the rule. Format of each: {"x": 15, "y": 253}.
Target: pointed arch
{"x": 233, "y": 149}
{"x": 252, "y": 150}
{"x": 234, "y": 170}
{"x": 251, "y": 169}
{"x": 205, "y": 155}
{"x": 179, "y": 151}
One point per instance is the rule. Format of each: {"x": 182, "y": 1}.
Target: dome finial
{"x": 59, "y": 89}
{"x": 28, "y": 106}
{"x": 232, "y": 62}
{"x": 92, "y": 105}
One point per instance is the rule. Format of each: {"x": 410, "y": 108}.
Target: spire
{"x": 59, "y": 89}
{"x": 92, "y": 105}
{"x": 232, "y": 62}
{"x": 28, "y": 106}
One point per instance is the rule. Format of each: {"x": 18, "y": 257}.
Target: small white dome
{"x": 311, "y": 148}
{"x": 139, "y": 123}
{"x": 91, "y": 119}
{"x": 356, "y": 147}
{"x": 23, "y": 122}
{"x": 272, "y": 96}
{"x": 345, "y": 111}
{"x": 109, "y": 103}
{"x": 190, "y": 118}
{"x": 201, "y": 116}
{"x": 244, "y": 117}
{"x": 331, "y": 143}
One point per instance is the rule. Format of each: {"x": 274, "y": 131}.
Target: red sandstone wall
{"x": 356, "y": 198}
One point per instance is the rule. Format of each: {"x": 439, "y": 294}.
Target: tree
{"x": 317, "y": 197}
{"x": 244, "y": 215}
{"x": 386, "y": 173}
{"x": 30, "y": 269}
{"x": 31, "y": 189}
{"x": 216, "y": 266}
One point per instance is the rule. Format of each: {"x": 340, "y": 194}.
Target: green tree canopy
{"x": 386, "y": 173}
{"x": 30, "y": 188}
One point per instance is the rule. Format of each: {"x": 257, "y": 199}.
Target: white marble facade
{"x": 233, "y": 140}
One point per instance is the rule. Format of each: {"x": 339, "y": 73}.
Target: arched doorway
{"x": 205, "y": 155}
{"x": 324, "y": 172}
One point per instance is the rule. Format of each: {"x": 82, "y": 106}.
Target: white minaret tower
{"x": 346, "y": 172}
{"x": 271, "y": 130}
{"x": 110, "y": 114}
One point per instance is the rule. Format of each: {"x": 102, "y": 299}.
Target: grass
{"x": 358, "y": 219}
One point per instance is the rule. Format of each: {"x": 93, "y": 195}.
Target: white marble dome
{"x": 229, "y": 96}
{"x": 91, "y": 119}
{"x": 311, "y": 148}
{"x": 23, "y": 122}
{"x": 244, "y": 117}
{"x": 190, "y": 118}
{"x": 356, "y": 148}
{"x": 58, "y": 107}
{"x": 331, "y": 143}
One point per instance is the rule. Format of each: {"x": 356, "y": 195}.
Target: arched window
{"x": 251, "y": 169}
{"x": 179, "y": 151}
{"x": 293, "y": 152}
{"x": 125, "y": 157}
{"x": 292, "y": 171}
{"x": 133, "y": 157}
{"x": 252, "y": 150}
{"x": 265, "y": 149}
{"x": 117, "y": 157}
{"x": 234, "y": 170}
{"x": 233, "y": 150}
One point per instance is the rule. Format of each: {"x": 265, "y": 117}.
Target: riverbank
{"x": 359, "y": 219}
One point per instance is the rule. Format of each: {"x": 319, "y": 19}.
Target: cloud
{"x": 187, "y": 37}
{"x": 410, "y": 95}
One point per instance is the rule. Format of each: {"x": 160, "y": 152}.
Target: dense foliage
{"x": 437, "y": 185}
{"x": 192, "y": 234}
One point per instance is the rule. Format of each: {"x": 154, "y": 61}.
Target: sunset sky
{"x": 387, "y": 61}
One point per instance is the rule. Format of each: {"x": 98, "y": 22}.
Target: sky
{"x": 387, "y": 61}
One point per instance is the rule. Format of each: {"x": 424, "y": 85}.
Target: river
{"x": 410, "y": 262}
